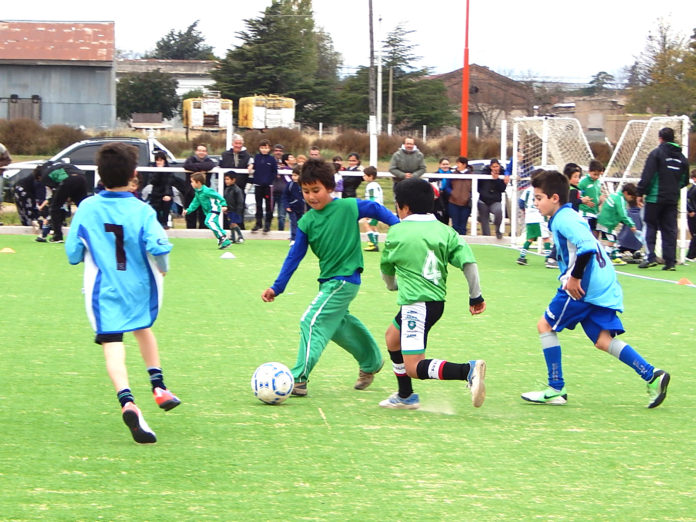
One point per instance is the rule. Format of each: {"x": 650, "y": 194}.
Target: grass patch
{"x": 336, "y": 455}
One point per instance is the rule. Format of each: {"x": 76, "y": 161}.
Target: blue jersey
{"x": 572, "y": 237}
{"x": 116, "y": 235}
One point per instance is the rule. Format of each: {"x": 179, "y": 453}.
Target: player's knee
{"x": 543, "y": 326}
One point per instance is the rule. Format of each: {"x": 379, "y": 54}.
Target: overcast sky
{"x": 553, "y": 39}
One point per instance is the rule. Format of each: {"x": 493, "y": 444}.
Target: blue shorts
{"x": 565, "y": 312}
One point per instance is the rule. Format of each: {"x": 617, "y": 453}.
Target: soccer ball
{"x": 272, "y": 382}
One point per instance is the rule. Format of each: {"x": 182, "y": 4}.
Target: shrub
{"x": 601, "y": 151}
{"x": 22, "y": 136}
{"x": 60, "y": 136}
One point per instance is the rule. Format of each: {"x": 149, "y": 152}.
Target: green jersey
{"x": 417, "y": 251}
{"x": 613, "y": 212}
{"x": 334, "y": 237}
{"x": 592, "y": 188}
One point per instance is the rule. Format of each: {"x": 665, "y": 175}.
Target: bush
{"x": 22, "y": 136}
{"x": 601, "y": 151}
{"x": 60, "y": 136}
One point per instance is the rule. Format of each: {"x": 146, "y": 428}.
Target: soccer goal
{"x": 638, "y": 138}
{"x": 543, "y": 142}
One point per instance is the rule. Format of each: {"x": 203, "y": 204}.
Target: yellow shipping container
{"x": 266, "y": 111}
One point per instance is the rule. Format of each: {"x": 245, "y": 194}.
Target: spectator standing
{"x": 265, "y": 170}
{"x": 5, "y": 159}
{"x": 280, "y": 182}
{"x": 162, "y": 193}
{"x": 407, "y": 162}
{"x": 457, "y": 193}
{"x": 293, "y": 202}
{"x": 237, "y": 157}
{"x": 235, "y": 207}
{"x": 666, "y": 171}
{"x": 199, "y": 161}
{"x": 490, "y": 198}
{"x": 352, "y": 182}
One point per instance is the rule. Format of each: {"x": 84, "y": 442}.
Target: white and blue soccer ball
{"x": 272, "y": 382}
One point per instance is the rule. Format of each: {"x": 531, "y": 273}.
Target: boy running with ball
{"x": 331, "y": 229}
{"x": 414, "y": 262}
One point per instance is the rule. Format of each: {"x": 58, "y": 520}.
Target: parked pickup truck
{"x": 83, "y": 154}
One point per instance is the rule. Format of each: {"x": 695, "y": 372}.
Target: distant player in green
{"x": 213, "y": 205}
{"x": 414, "y": 262}
{"x": 613, "y": 213}
{"x": 590, "y": 191}
{"x": 331, "y": 229}
{"x": 373, "y": 192}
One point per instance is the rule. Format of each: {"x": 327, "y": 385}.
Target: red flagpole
{"x": 465, "y": 89}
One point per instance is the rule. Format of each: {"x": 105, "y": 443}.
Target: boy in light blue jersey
{"x": 589, "y": 295}
{"x": 125, "y": 251}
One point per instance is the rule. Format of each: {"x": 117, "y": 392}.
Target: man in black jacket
{"x": 666, "y": 171}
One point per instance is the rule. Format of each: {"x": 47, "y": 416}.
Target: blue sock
{"x": 627, "y": 355}
{"x": 552, "y": 354}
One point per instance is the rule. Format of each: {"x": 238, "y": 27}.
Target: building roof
{"x": 56, "y": 41}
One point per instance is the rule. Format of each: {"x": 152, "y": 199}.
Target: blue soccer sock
{"x": 627, "y": 355}
{"x": 552, "y": 354}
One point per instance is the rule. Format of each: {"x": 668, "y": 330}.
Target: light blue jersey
{"x": 573, "y": 237}
{"x": 116, "y": 235}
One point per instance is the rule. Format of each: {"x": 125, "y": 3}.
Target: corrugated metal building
{"x": 58, "y": 72}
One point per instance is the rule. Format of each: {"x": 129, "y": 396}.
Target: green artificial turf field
{"x": 65, "y": 453}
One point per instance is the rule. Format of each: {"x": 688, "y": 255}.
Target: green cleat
{"x": 657, "y": 388}
{"x": 548, "y": 396}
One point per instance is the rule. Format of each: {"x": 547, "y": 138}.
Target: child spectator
{"x": 28, "y": 197}
{"x": 373, "y": 192}
{"x": 630, "y": 243}
{"x": 691, "y": 217}
{"x": 612, "y": 213}
{"x": 162, "y": 193}
{"x": 352, "y": 182}
{"x": 338, "y": 178}
{"x": 457, "y": 192}
{"x": 340, "y": 264}
{"x": 440, "y": 197}
{"x": 416, "y": 253}
{"x": 535, "y": 225}
{"x": 590, "y": 191}
{"x": 293, "y": 202}
{"x": 589, "y": 295}
{"x": 110, "y": 232}
{"x": 265, "y": 170}
{"x": 234, "y": 197}
{"x": 212, "y": 204}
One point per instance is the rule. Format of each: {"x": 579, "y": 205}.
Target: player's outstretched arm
{"x": 268, "y": 295}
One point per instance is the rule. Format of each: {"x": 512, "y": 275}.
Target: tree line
{"x": 283, "y": 52}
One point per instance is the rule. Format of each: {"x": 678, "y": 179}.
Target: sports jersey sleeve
{"x": 292, "y": 261}
{"x": 154, "y": 236}
{"x": 74, "y": 247}
{"x": 623, "y": 216}
{"x": 374, "y": 210}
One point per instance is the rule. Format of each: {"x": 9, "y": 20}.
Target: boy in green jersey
{"x": 213, "y": 205}
{"x": 331, "y": 229}
{"x": 416, "y": 254}
{"x": 590, "y": 188}
{"x": 612, "y": 213}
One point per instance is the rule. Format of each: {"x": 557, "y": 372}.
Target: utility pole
{"x": 373, "y": 95}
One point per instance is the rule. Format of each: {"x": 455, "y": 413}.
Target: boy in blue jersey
{"x": 126, "y": 253}
{"x": 331, "y": 228}
{"x": 590, "y": 295}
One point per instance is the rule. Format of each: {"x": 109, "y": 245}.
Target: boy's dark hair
{"x": 463, "y": 159}
{"x": 231, "y": 175}
{"x": 337, "y": 158}
{"x": 116, "y": 163}
{"x": 630, "y": 189}
{"x": 417, "y": 194}
{"x": 666, "y": 133}
{"x": 161, "y": 155}
{"x": 595, "y": 166}
{"x": 571, "y": 168}
{"x": 264, "y": 142}
{"x": 297, "y": 169}
{"x": 318, "y": 171}
{"x": 199, "y": 177}
{"x": 552, "y": 182}
{"x": 370, "y": 171}
{"x": 357, "y": 156}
